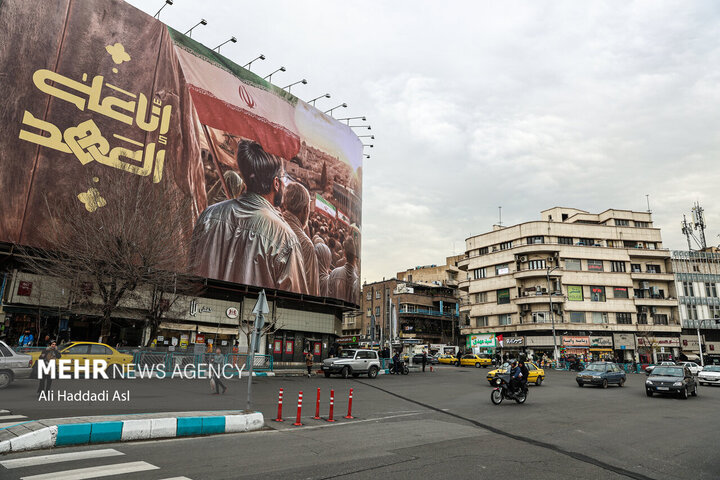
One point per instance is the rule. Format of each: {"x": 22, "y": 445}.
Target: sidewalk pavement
{"x": 58, "y": 432}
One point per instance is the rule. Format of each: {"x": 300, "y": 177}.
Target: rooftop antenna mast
{"x": 500, "y": 216}
{"x": 687, "y": 230}
{"x": 699, "y": 221}
{"x": 647, "y": 197}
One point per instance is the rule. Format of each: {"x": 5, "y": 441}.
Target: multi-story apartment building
{"x": 697, "y": 275}
{"x": 607, "y": 277}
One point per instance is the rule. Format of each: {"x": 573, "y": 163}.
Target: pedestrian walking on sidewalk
{"x": 50, "y": 354}
{"x": 218, "y": 360}
{"x": 424, "y": 359}
{"x": 308, "y": 362}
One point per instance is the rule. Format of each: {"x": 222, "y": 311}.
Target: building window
{"x": 635, "y": 268}
{"x": 642, "y": 318}
{"x": 688, "y": 289}
{"x": 692, "y": 312}
{"x": 595, "y": 265}
{"x": 714, "y": 311}
{"x": 536, "y": 265}
{"x": 483, "y": 251}
{"x": 588, "y": 242}
{"x": 642, "y": 224}
{"x": 597, "y": 294}
{"x": 575, "y": 293}
{"x": 481, "y": 297}
{"x": 621, "y": 223}
{"x": 535, "y": 240}
{"x": 710, "y": 290}
{"x": 505, "y": 319}
{"x": 573, "y": 264}
{"x": 505, "y": 245}
{"x": 653, "y": 268}
{"x": 651, "y": 245}
{"x": 503, "y": 296}
{"x": 369, "y": 296}
{"x": 377, "y": 294}
{"x": 660, "y": 319}
{"x": 620, "y": 292}
{"x": 377, "y": 311}
{"x": 623, "y": 318}
{"x": 565, "y": 240}
{"x": 369, "y": 312}
{"x": 481, "y": 321}
{"x": 577, "y": 317}
{"x": 479, "y": 273}
{"x": 502, "y": 269}
{"x": 541, "y": 317}
{"x": 599, "y": 317}
{"x": 617, "y": 266}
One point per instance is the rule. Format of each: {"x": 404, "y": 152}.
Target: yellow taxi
{"x": 476, "y": 361}
{"x": 82, "y": 351}
{"x": 536, "y": 374}
{"x": 447, "y": 359}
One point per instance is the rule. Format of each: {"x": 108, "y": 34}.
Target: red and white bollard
{"x": 349, "y": 415}
{"x": 297, "y": 420}
{"x": 279, "y": 416}
{"x": 317, "y": 406}
{"x": 332, "y": 406}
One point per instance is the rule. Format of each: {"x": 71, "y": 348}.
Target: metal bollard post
{"x": 349, "y": 415}
{"x": 297, "y": 420}
{"x": 279, "y": 415}
{"x": 332, "y": 404}
{"x": 317, "y": 406}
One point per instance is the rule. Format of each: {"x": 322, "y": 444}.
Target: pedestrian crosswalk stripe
{"x": 59, "y": 457}
{"x": 11, "y": 417}
{"x": 95, "y": 472}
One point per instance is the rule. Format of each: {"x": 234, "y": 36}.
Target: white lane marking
{"x": 95, "y": 472}
{"x": 2, "y": 412}
{"x": 59, "y": 457}
{"x": 12, "y": 417}
{"x": 328, "y": 425}
{"x": 176, "y": 478}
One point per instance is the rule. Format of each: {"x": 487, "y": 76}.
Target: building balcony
{"x": 536, "y": 248}
{"x": 538, "y": 273}
{"x": 535, "y": 299}
{"x": 657, "y": 302}
{"x": 652, "y": 277}
{"x": 646, "y": 252}
{"x": 427, "y": 313}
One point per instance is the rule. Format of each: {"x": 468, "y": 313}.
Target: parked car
{"x": 417, "y": 359}
{"x": 650, "y": 368}
{"x": 90, "y": 351}
{"x": 536, "y": 374}
{"x": 671, "y": 379}
{"x": 447, "y": 359}
{"x": 353, "y": 362}
{"x": 476, "y": 361}
{"x": 692, "y": 366}
{"x": 13, "y": 365}
{"x": 710, "y": 375}
{"x": 601, "y": 374}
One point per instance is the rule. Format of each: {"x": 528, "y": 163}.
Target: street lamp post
{"x": 552, "y": 315}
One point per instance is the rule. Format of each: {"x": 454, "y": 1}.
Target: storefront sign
{"x": 196, "y": 308}
{"x": 347, "y": 340}
{"x": 539, "y": 341}
{"x": 511, "y": 342}
{"x": 232, "y": 312}
{"x": 183, "y": 341}
{"x": 575, "y": 293}
{"x": 200, "y": 338}
{"x": 712, "y": 347}
{"x": 689, "y": 343}
{"x": 601, "y": 342}
{"x": 658, "y": 341}
{"x": 626, "y": 340}
{"x": 484, "y": 340}
{"x": 24, "y": 289}
{"x": 582, "y": 342}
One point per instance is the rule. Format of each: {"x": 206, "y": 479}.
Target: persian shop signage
{"x": 576, "y": 342}
{"x": 601, "y": 342}
{"x": 482, "y": 340}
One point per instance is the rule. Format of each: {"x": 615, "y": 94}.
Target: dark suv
{"x": 671, "y": 379}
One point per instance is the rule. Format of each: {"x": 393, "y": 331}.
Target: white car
{"x": 710, "y": 375}
{"x": 13, "y": 365}
{"x": 692, "y": 366}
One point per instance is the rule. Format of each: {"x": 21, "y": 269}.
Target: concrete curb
{"x": 91, "y": 432}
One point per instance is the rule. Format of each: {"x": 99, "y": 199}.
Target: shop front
{"x": 601, "y": 349}
{"x": 575, "y": 346}
{"x": 654, "y": 349}
{"x": 513, "y": 345}
{"x": 540, "y": 345}
{"x": 624, "y": 344}
{"x": 481, "y": 343}
{"x": 711, "y": 352}
{"x": 689, "y": 348}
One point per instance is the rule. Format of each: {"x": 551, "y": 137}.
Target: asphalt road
{"x": 439, "y": 424}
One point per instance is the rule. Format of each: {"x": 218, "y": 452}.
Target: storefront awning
{"x": 183, "y": 327}
{"x": 601, "y": 349}
{"x": 218, "y": 331}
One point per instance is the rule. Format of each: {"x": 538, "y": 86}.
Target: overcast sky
{"x": 477, "y": 104}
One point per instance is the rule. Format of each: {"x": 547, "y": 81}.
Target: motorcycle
{"x": 502, "y": 391}
{"x": 402, "y": 368}
{"x": 577, "y": 366}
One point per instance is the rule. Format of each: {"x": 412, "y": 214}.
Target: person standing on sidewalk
{"x": 50, "y": 354}
{"x": 308, "y": 362}
{"x": 218, "y": 360}
{"x": 424, "y": 359}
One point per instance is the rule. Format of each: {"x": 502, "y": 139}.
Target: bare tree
{"x": 272, "y": 324}
{"x": 124, "y": 232}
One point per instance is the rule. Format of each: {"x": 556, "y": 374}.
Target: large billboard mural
{"x": 100, "y": 88}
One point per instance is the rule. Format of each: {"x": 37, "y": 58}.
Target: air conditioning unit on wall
{"x": 525, "y": 308}
{"x": 522, "y": 258}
